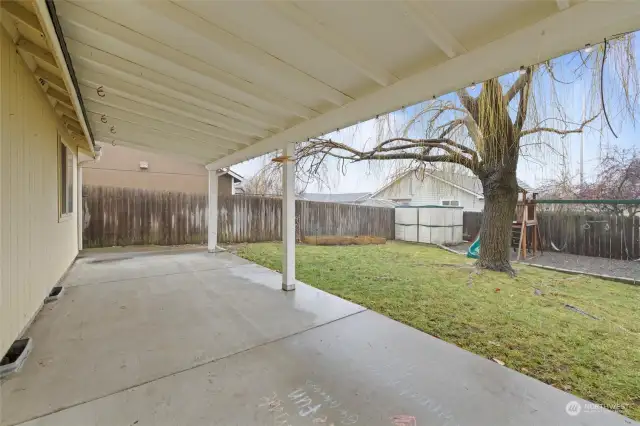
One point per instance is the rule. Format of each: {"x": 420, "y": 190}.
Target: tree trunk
{"x": 500, "y": 189}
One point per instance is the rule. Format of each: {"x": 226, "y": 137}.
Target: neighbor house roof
{"x": 467, "y": 183}
{"x": 377, "y": 202}
{"x": 236, "y": 177}
{"x": 346, "y": 198}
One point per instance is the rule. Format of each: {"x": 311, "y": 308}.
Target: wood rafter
{"x": 117, "y": 106}
{"x": 111, "y": 85}
{"x": 169, "y": 131}
{"x": 180, "y": 63}
{"x": 50, "y": 78}
{"x": 336, "y": 42}
{"x": 254, "y": 56}
{"x": 22, "y": 15}
{"x": 37, "y": 52}
{"x": 60, "y": 97}
{"x": 116, "y": 67}
{"x": 420, "y": 12}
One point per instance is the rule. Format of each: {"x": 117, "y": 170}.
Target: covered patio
{"x": 235, "y": 80}
{"x": 225, "y": 82}
{"x": 206, "y": 338}
{"x": 194, "y": 338}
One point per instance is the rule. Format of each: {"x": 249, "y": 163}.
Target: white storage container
{"x": 429, "y": 224}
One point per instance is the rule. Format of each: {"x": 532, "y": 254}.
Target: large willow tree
{"x": 485, "y": 133}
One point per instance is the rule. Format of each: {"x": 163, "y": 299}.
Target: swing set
{"x": 525, "y": 233}
{"x": 592, "y": 226}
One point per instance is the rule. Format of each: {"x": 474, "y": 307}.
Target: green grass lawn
{"x": 491, "y": 314}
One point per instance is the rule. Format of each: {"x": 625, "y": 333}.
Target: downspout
{"x": 80, "y": 214}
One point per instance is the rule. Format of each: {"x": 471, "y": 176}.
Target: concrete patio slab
{"x": 362, "y": 370}
{"x": 109, "y": 267}
{"x": 114, "y": 329}
{"x": 204, "y": 339}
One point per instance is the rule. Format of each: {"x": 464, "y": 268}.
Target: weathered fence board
{"x": 471, "y": 222}
{"x": 599, "y": 235}
{"x": 117, "y": 216}
{"x": 586, "y": 234}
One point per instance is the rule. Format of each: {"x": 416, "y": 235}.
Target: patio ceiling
{"x": 222, "y": 82}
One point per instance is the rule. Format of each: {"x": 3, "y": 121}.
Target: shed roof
{"x": 335, "y": 198}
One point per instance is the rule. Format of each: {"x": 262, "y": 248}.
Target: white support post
{"x": 289, "y": 219}
{"x": 79, "y": 207}
{"x": 213, "y": 211}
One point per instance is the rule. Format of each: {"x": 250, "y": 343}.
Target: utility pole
{"x": 584, "y": 113}
{"x": 581, "y": 160}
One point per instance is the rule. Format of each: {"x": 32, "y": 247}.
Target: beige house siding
{"x": 429, "y": 191}
{"x": 36, "y": 246}
{"x": 119, "y": 167}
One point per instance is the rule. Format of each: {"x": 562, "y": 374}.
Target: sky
{"x": 559, "y": 154}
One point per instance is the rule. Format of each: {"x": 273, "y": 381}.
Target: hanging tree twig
{"x": 604, "y": 106}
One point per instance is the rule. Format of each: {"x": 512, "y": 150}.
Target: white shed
{"x": 429, "y": 224}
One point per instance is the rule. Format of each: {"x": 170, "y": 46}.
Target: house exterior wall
{"x": 429, "y": 191}
{"x": 225, "y": 185}
{"x": 119, "y": 167}
{"x": 36, "y": 245}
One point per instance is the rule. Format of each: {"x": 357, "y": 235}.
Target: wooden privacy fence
{"x": 599, "y": 235}
{"x": 119, "y": 216}
{"x": 471, "y": 222}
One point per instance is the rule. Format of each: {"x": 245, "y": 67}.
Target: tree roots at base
{"x": 496, "y": 266}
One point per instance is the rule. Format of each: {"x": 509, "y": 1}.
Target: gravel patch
{"x": 629, "y": 269}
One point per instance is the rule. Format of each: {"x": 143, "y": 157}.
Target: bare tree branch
{"x": 558, "y": 131}
{"x": 523, "y": 105}
{"x": 517, "y": 86}
{"x": 474, "y": 131}
{"x": 449, "y": 127}
{"x": 415, "y": 149}
{"x": 469, "y": 102}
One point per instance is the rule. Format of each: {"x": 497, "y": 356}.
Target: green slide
{"x": 474, "y": 250}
